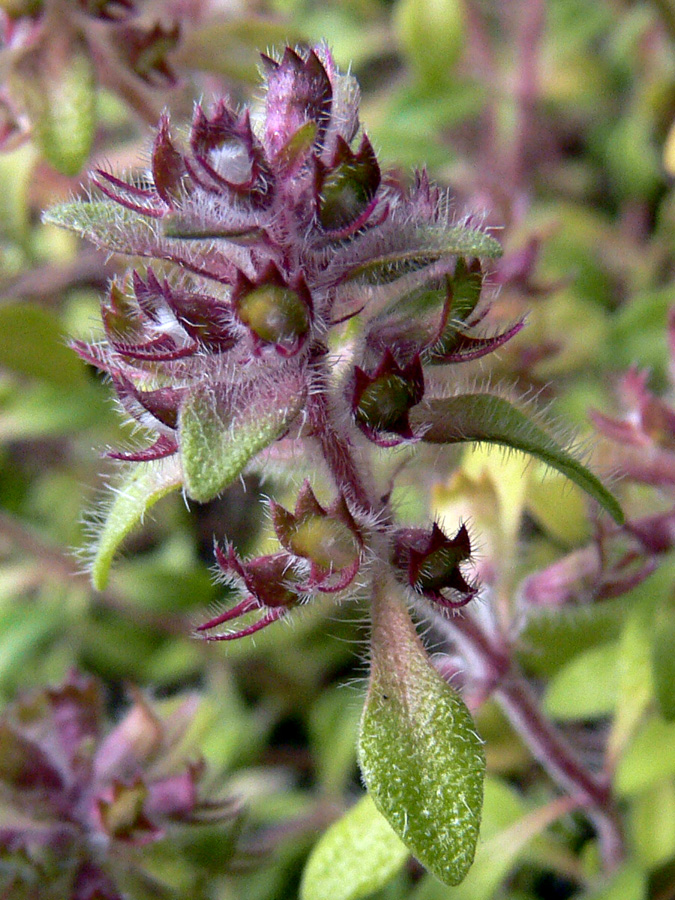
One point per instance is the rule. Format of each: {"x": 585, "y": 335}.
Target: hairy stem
{"x": 336, "y": 450}
{"x": 490, "y": 660}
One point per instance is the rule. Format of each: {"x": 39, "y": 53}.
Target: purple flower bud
{"x": 431, "y": 562}
{"x": 381, "y": 401}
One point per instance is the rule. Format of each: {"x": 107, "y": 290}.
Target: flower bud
{"x": 381, "y": 401}
{"x": 431, "y": 564}
{"x": 347, "y": 187}
{"x": 275, "y": 313}
{"x": 328, "y": 538}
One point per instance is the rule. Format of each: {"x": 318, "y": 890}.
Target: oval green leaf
{"x": 145, "y": 484}
{"x": 358, "y": 855}
{"x": 491, "y": 419}
{"x": 216, "y": 444}
{"x": 420, "y": 756}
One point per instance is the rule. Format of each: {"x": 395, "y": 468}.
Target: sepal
{"x": 347, "y": 186}
{"x": 269, "y": 586}
{"x": 298, "y": 91}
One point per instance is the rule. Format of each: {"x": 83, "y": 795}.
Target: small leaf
{"x": 649, "y": 758}
{"x": 232, "y": 48}
{"x": 586, "y": 687}
{"x": 145, "y": 484}
{"x": 358, "y": 855}
{"x": 490, "y": 418}
{"x": 216, "y": 444}
{"x": 498, "y": 852}
{"x": 629, "y": 883}
{"x": 32, "y": 343}
{"x": 56, "y": 82}
{"x": 635, "y": 688}
{"x": 421, "y": 758}
{"x": 652, "y": 824}
{"x": 107, "y": 225}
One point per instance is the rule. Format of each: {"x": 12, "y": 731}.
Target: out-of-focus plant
{"x": 87, "y": 813}
{"x": 54, "y": 54}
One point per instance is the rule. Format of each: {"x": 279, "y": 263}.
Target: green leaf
{"x": 433, "y": 243}
{"x": 217, "y": 444}
{"x": 649, "y": 758}
{"x": 490, "y": 418}
{"x": 586, "y": 687}
{"x": 32, "y": 343}
{"x": 145, "y": 484}
{"x": 41, "y": 409}
{"x": 359, "y": 854}
{"x": 498, "y": 853}
{"x": 232, "y": 48}
{"x": 635, "y": 689}
{"x": 107, "y": 225}
{"x": 629, "y": 883}
{"x": 663, "y": 662}
{"x": 652, "y": 824}
{"x": 57, "y": 84}
{"x": 421, "y": 758}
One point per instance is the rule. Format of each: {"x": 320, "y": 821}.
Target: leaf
{"x": 490, "y": 418}
{"x": 586, "y": 687}
{"x": 649, "y": 758}
{"x": 32, "y": 343}
{"x": 107, "y": 225}
{"x": 635, "y": 689}
{"x": 56, "y": 82}
{"x": 499, "y": 852}
{"x": 42, "y": 409}
{"x": 663, "y": 662}
{"x": 216, "y": 444}
{"x": 652, "y": 824}
{"x": 232, "y": 48}
{"x": 359, "y": 854}
{"x": 629, "y": 883}
{"x": 145, "y": 484}
{"x": 420, "y": 756}
{"x": 433, "y": 244}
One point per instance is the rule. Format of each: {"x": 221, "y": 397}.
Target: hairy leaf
{"x": 145, "y": 484}
{"x": 359, "y": 854}
{"x": 490, "y": 418}
{"x": 421, "y": 758}
{"x": 107, "y": 225}
{"x": 433, "y": 244}
{"x": 216, "y": 444}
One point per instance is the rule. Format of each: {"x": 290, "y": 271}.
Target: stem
{"x": 533, "y": 14}
{"x": 336, "y": 450}
{"x": 491, "y": 661}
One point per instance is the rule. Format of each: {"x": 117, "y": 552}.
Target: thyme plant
{"x": 293, "y": 307}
